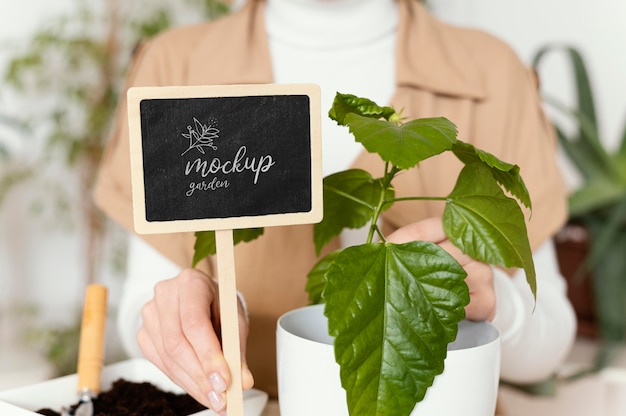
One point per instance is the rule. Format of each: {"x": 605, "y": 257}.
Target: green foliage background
{"x": 60, "y": 89}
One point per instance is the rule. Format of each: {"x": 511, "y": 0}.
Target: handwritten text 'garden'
{"x": 239, "y": 164}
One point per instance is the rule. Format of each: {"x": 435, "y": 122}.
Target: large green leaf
{"x": 344, "y": 104}
{"x": 403, "y": 145}
{"x": 350, "y": 198}
{"x": 504, "y": 173}
{"x": 486, "y": 224}
{"x": 316, "y": 279}
{"x": 392, "y": 310}
{"x": 205, "y": 242}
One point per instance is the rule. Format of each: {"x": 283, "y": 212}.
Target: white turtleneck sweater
{"x": 355, "y": 53}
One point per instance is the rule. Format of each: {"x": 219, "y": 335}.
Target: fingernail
{"x": 217, "y": 382}
{"x": 216, "y": 400}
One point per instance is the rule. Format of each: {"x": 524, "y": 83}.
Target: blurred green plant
{"x": 9, "y": 123}
{"x": 70, "y": 74}
{"x": 68, "y": 77}
{"x": 60, "y": 346}
{"x": 599, "y": 202}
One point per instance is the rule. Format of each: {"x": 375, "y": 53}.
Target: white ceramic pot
{"x": 309, "y": 383}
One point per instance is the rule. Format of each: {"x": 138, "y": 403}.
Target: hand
{"x": 179, "y": 335}
{"x": 482, "y": 306}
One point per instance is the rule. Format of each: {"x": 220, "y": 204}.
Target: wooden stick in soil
{"x": 229, "y": 318}
{"x": 91, "y": 345}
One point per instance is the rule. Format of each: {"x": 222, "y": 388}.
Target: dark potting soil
{"x": 127, "y": 398}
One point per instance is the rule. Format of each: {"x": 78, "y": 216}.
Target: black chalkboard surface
{"x": 225, "y": 157}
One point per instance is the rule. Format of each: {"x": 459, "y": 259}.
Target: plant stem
{"x": 416, "y": 198}
{"x": 348, "y": 196}
{"x": 390, "y": 173}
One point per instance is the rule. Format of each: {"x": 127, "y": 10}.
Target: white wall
{"x": 35, "y": 267}
{"x": 46, "y": 267}
{"x": 597, "y": 28}
{"x": 22, "y": 251}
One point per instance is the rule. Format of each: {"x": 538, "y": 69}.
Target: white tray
{"x": 54, "y": 394}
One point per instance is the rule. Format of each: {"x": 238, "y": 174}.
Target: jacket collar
{"x": 236, "y": 49}
{"x": 430, "y": 55}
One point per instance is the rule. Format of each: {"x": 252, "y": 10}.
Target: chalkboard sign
{"x": 225, "y": 157}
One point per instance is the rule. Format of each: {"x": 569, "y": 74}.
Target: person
{"x": 393, "y": 52}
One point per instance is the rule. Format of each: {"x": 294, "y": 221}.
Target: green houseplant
{"x": 393, "y": 308}
{"x": 598, "y": 203}
{"x": 70, "y": 74}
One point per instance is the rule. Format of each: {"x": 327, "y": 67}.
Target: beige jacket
{"x": 465, "y": 75}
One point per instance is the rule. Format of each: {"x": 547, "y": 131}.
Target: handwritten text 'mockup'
{"x": 239, "y": 164}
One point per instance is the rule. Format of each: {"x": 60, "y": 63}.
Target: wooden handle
{"x": 91, "y": 347}
{"x": 229, "y": 315}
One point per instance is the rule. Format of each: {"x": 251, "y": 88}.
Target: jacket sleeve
{"x": 535, "y": 336}
{"x": 146, "y": 267}
{"x": 112, "y": 190}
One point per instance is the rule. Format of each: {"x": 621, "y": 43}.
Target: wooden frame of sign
{"x": 222, "y": 158}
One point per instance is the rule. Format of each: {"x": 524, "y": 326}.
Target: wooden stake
{"x": 229, "y": 318}
{"x": 91, "y": 344}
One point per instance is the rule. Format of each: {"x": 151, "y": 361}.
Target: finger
{"x": 144, "y": 339}
{"x": 149, "y": 339}
{"x": 181, "y": 379}
{"x": 430, "y": 229}
{"x": 176, "y": 352}
{"x": 462, "y": 258}
{"x": 482, "y": 306}
{"x": 479, "y": 309}
{"x": 247, "y": 380}
{"x": 197, "y": 327}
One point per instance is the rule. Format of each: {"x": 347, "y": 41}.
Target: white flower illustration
{"x": 201, "y": 136}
